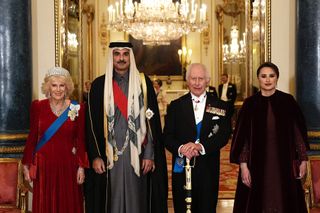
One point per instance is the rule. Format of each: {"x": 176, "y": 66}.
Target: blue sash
{"x": 53, "y": 128}
{"x": 179, "y": 162}
{"x": 199, "y": 125}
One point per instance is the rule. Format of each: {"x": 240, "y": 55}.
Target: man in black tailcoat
{"x": 197, "y": 126}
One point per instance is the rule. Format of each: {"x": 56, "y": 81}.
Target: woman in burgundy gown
{"x": 269, "y": 140}
{"x": 57, "y": 167}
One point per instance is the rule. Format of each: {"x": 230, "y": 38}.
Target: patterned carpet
{"x": 228, "y": 174}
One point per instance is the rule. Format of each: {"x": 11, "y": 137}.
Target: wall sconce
{"x": 185, "y": 59}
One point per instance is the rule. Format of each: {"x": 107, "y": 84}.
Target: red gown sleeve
{"x": 32, "y": 139}
{"x": 80, "y": 142}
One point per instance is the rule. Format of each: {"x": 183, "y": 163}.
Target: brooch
{"x": 73, "y": 111}
{"x": 215, "y": 129}
{"x": 149, "y": 113}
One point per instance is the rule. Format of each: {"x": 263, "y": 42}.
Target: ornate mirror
{"x": 243, "y": 41}
{"x": 68, "y": 53}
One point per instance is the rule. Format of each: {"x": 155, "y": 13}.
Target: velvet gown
{"x": 270, "y": 134}
{"x": 55, "y": 189}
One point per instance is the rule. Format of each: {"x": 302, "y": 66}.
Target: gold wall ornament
{"x": 206, "y": 39}
{"x": 88, "y": 10}
{"x": 103, "y": 34}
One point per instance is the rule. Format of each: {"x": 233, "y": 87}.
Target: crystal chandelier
{"x": 235, "y": 51}
{"x": 157, "y": 22}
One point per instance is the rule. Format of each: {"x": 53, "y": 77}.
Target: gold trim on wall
{"x": 56, "y": 32}
{"x": 268, "y": 30}
{"x": 88, "y": 10}
{"x": 104, "y": 34}
{"x": 314, "y": 146}
{"x": 12, "y": 149}
{"x": 219, "y": 15}
{"x": 313, "y": 134}
{"x": 13, "y": 136}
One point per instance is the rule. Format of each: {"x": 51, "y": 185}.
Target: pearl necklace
{"x": 56, "y": 111}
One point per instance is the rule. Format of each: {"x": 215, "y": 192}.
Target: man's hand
{"x": 147, "y": 166}
{"x": 190, "y": 150}
{"x": 98, "y": 165}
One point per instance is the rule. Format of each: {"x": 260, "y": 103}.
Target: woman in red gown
{"x": 56, "y": 168}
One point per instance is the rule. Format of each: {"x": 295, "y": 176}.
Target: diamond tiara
{"x": 57, "y": 71}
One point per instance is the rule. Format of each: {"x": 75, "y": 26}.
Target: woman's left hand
{"x": 80, "y": 175}
{"x": 303, "y": 169}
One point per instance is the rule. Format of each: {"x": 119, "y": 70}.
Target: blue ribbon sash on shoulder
{"x": 53, "y": 128}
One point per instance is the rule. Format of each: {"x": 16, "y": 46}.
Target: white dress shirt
{"x": 224, "y": 92}
{"x": 199, "y": 104}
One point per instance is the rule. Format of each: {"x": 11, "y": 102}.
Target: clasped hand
{"x": 190, "y": 150}
{"x": 99, "y": 166}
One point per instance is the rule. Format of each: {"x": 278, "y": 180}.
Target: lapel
{"x": 220, "y": 90}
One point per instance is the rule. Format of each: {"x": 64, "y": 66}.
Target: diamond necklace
{"x": 56, "y": 111}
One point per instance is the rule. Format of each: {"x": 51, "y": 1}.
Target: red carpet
{"x": 228, "y": 175}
